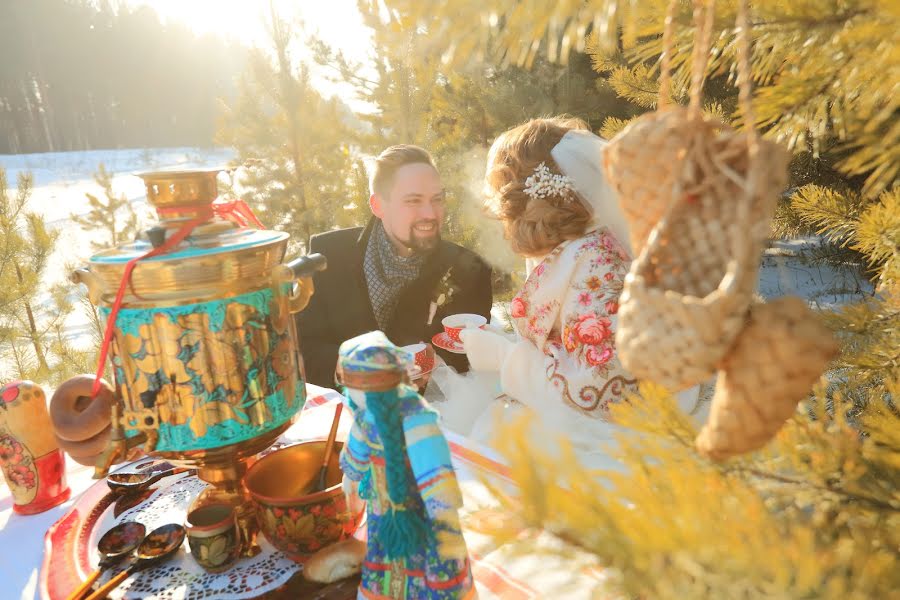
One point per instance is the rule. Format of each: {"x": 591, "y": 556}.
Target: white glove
{"x": 486, "y": 350}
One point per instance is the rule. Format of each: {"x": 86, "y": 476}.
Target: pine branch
{"x": 636, "y": 84}
{"x": 878, "y": 234}
{"x": 612, "y": 126}
{"x": 810, "y": 22}
{"x": 834, "y": 214}
{"x": 829, "y": 486}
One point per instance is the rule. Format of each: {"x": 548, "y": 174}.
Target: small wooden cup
{"x": 212, "y": 534}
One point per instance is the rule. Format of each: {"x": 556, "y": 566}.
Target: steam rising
{"x": 492, "y": 246}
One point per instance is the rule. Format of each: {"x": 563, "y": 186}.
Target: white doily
{"x": 180, "y": 577}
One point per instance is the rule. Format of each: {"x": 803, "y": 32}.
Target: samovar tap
{"x": 119, "y": 445}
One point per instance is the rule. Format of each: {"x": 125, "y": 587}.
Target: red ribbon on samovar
{"x": 236, "y": 211}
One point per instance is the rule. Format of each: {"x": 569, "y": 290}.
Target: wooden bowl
{"x": 295, "y": 519}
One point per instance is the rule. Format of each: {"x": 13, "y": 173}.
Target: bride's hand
{"x": 486, "y": 350}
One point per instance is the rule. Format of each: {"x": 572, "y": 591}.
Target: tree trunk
{"x": 32, "y": 330}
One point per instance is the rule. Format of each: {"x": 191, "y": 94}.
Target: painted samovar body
{"x": 204, "y": 349}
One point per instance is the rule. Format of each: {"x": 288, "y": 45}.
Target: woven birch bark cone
{"x": 641, "y": 164}
{"x": 776, "y": 360}
{"x": 686, "y": 296}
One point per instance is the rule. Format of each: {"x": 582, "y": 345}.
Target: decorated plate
{"x": 443, "y": 341}
{"x": 71, "y": 555}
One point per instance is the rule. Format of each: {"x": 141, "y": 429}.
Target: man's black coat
{"x": 340, "y": 308}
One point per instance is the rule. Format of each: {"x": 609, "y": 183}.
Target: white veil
{"x": 579, "y": 155}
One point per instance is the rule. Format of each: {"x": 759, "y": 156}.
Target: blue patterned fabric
{"x": 400, "y": 457}
{"x": 373, "y": 352}
{"x": 387, "y": 274}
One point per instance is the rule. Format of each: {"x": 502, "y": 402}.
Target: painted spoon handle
{"x": 84, "y": 587}
{"x": 110, "y": 585}
{"x": 329, "y": 445}
{"x": 163, "y": 474}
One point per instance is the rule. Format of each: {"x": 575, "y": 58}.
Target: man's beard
{"x": 423, "y": 244}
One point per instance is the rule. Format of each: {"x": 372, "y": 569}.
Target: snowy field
{"x": 786, "y": 270}
{"x": 62, "y": 179}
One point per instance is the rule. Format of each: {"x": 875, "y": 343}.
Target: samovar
{"x": 204, "y": 349}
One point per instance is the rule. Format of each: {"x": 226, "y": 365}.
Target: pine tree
{"x": 816, "y": 514}
{"x": 397, "y": 82}
{"x": 26, "y": 244}
{"x": 300, "y": 173}
{"x": 111, "y": 215}
{"x": 30, "y": 325}
{"x": 456, "y": 113}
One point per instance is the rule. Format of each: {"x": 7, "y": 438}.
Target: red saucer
{"x": 443, "y": 341}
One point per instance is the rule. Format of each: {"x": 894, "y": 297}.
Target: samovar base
{"x": 223, "y": 469}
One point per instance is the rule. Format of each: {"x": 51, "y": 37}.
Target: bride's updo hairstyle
{"x": 533, "y": 225}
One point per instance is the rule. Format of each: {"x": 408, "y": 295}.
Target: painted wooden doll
{"x": 30, "y": 457}
{"x": 399, "y": 456}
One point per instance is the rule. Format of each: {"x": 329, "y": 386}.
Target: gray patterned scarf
{"x": 387, "y": 273}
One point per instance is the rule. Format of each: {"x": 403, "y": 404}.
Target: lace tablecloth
{"x": 181, "y": 577}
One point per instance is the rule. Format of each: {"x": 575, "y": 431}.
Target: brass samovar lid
{"x": 219, "y": 257}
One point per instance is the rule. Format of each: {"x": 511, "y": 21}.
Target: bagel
{"x": 88, "y": 448}
{"x": 85, "y": 461}
{"x": 335, "y": 562}
{"x": 75, "y": 416}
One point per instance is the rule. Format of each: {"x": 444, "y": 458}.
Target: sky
{"x": 337, "y": 22}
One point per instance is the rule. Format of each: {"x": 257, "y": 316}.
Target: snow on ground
{"x": 61, "y": 180}
{"x": 787, "y": 270}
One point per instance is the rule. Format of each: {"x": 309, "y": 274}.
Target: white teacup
{"x": 456, "y": 323}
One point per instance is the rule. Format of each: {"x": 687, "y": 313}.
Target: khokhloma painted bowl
{"x": 295, "y": 519}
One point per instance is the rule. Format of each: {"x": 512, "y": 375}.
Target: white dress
{"x": 562, "y": 367}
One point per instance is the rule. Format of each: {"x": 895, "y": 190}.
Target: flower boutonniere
{"x": 442, "y": 295}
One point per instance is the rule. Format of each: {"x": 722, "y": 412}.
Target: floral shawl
{"x": 567, "y": 311}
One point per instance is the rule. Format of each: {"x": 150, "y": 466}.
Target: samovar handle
{"x": 299, "y": 272}
{"x": 92, "y": 281}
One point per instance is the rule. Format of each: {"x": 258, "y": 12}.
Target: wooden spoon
{"x": 159, "y": 544}
{"x": 115, "y": 544}
{"x": 136, "y": 482}
{"x": 329, "y": 447}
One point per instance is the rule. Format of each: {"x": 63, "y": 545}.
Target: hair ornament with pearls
{"x": 545, "y": 184}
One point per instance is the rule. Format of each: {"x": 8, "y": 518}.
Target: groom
{"x": 396, "y": 274}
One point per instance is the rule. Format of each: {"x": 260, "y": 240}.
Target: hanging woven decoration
{"x": 688, "y": 292}
{"x": 700, "y": 197}
{"x": 652, "y": 144}
{"x": 776, "y": 360}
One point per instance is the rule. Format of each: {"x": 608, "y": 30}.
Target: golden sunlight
{"x": 337, "y": 22}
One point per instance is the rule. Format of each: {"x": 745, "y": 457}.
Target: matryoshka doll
{"x": 30, "y": 458}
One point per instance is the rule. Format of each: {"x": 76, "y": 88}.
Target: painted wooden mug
{"x": 30, "y": 458}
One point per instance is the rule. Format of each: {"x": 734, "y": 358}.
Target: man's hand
{"x": 486, "y": 350}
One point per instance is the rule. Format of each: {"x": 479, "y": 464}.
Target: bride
{"x": 545, "y": 184}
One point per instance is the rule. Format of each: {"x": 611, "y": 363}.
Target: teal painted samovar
{"x": 204, "y": 348}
